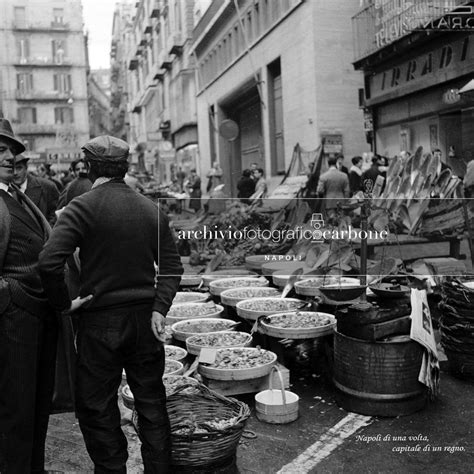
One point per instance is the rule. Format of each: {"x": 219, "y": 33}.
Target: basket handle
{"x": 282, "y": 385}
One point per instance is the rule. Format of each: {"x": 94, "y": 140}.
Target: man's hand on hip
{"x": 78, "y": 302}
{"x": 158, "y": 326}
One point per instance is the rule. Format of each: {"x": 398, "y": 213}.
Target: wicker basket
{"x": 202, "y": 405}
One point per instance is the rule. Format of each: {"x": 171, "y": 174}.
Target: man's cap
{"x": 107, "y": 149}
{"x": 21, "y": 158}
{"x": 6, "y": 131}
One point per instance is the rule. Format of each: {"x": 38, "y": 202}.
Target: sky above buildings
{"x": 98, "y": 16}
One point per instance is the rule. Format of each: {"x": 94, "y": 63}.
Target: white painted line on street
{"x": 327, "y": 443}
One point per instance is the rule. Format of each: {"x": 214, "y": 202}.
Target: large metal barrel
{"x": 378, "y": 378}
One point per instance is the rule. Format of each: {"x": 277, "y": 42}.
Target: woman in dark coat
{"x": 194, "y": 187}
{"x": 246, "y": 186}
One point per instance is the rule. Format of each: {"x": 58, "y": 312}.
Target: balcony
{"x": 35, "y": 129}
{"x": 176, "y": 45}
{"x": 42, "y": 27}
{"x": 155, "y": 10}
{"x": 137, "y": 109}
{"x": 43, "y": 62}
{"x": 42, "y": 96}
{"x": 377, "y": 26}
{"x": 166, "y": 64}
{"x": 148, "y": 29}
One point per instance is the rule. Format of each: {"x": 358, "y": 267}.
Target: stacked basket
{"x": 457, "y": 325}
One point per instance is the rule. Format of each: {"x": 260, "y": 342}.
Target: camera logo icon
{"x": 317, "y": 221}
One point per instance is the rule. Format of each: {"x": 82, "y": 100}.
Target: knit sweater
{"x": 121, "y": 235}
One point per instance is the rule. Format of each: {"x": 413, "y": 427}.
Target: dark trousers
{"x": 27, "y": 364}
{"x": 107, "y": 342}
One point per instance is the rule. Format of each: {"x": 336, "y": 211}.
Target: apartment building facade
{"x": 281, "y": 71}
{"x": 159, "y": 81}
{"x": 121, "y": 31}
{"x": 43, "y": 77}
{"x": 417, "y": 62}
{"x": 98, "y": 89}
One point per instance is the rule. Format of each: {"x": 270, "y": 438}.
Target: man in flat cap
{"x": 28, "y": 328}
{"x": 41, "y": 191}
{"x": 121, "y": 236}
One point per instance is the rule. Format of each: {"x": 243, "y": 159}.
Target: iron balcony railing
{"x": 382, "y": 22}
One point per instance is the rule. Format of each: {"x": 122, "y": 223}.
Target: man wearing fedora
{"x": 28, "y": 328}
{"x": 123, "y": 237}
{"x": 41, "y": 191}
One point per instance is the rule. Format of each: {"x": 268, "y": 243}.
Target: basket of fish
{"x": 254, "y": 308}
{"x": 217, "y": 340}
{"x": 297, "y": 325}
{"x": 216, "y": 287}
{"x": 190, "y": 297}
{"x": 190, "y": 280}
{"x": 311, "y": 286}
{"x": 173, "y": 367}
{"x": 207, "y": 278}
{"x": 183, "y": 311}
{"x": 192, "y": 327}
{"x": 175, "y": 353}
{"x": 242, "y": 363}
{"x": 234, "y": 295}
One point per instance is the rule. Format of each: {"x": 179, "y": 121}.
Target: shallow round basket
{"x": 175, "y": 353}
{"x": 197, "y": 452}
{"x": 239, "y": 374}
{"x": 190, "y": 297}
{"x": 231, "y": 297}
{"x": 269, "y": 268}
{"x": 190, "y": 280}
{"x": 173, "y": 367}
{"x": 310, "y": 286}
{"x": 186, "y": 307}
{"x": 266, "y": 327}
{"x": 230, "y": 273}
{"x": 293, "y": 304}
{"x": 280, "y": 278}
{"x": 180, "y": 334}
{"x": 276, "y": 406}
{"x": 216, "y": 287}
{"x": 195, "y": 349}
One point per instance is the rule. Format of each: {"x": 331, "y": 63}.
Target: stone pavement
{"x": 66, "y": 452}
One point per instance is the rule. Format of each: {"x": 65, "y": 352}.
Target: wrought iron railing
{"x": 382, "y": 22}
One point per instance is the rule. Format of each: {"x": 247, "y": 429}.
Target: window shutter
{"x": 34, "y": 114}
{"x": 56, "y": 82}
{"x": 69, "y": 83}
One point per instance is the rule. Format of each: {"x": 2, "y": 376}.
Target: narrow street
{"x": 307, "y": 445}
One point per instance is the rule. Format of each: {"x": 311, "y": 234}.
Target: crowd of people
{"x": 339, "y": 183}
{"x": 129, "y": 274}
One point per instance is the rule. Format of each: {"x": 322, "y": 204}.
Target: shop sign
{"x": 448, "y": 62}
{"x": 397, "y": 18}
{"x": 451, "y": 96}
{"x": 32, "y": 155}
{"x": 63, "y": 155}
{"x": 368, "y": 121}
{"x": 167, "y": 155}
{"x": 332, "y": 144}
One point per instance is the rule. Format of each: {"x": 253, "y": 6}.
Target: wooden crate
{"x": 239, "y": 387}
